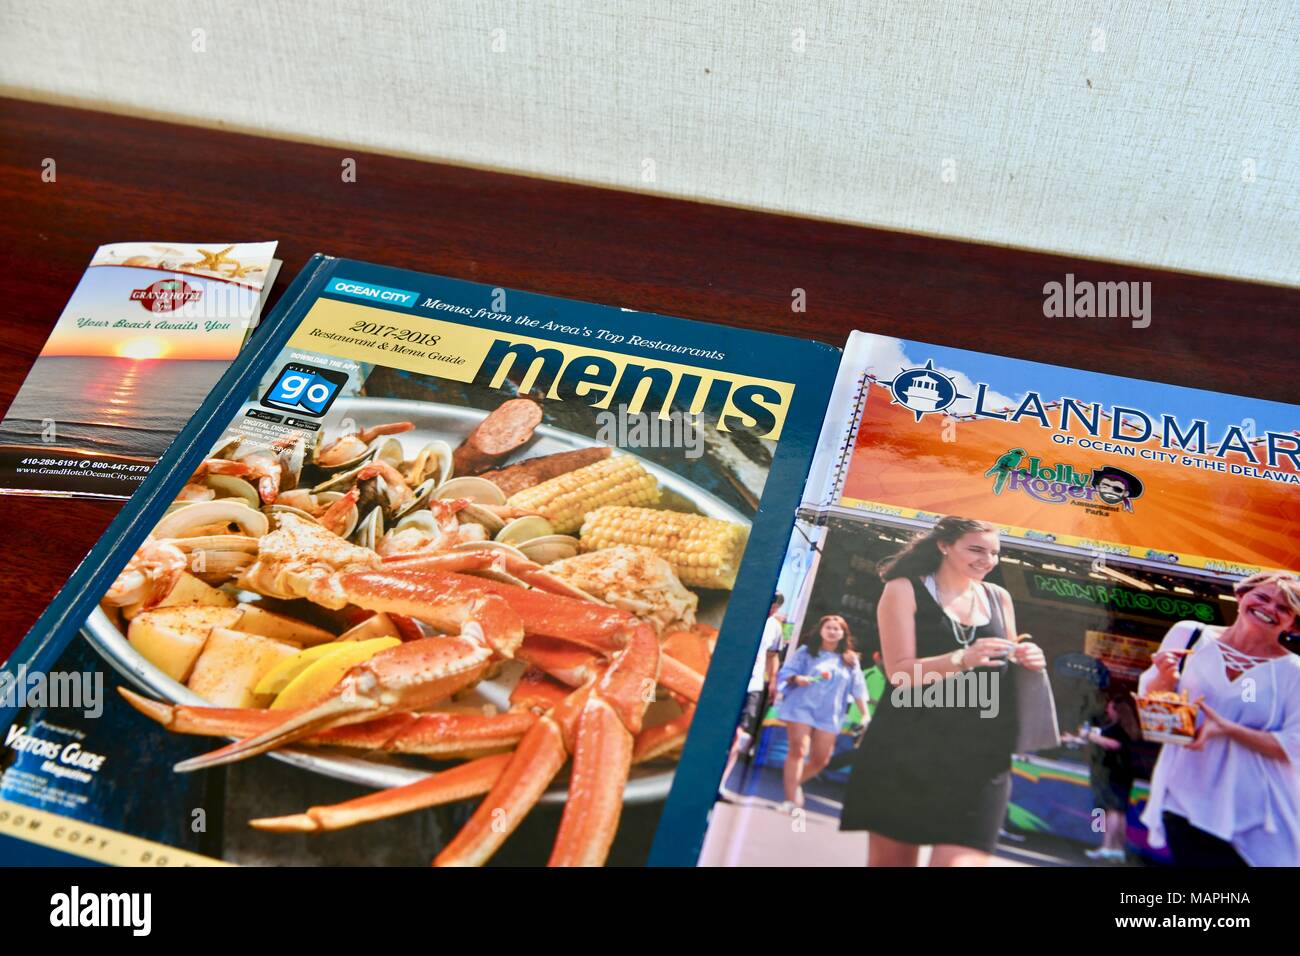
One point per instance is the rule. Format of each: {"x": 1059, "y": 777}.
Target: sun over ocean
{"x": 108, "y": 406}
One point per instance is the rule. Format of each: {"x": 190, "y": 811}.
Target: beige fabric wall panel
{"x": 1155, "y": 132}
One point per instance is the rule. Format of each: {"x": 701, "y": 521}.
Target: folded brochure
{"x": 148, "y": 331}
{"x": 510, "y": 561}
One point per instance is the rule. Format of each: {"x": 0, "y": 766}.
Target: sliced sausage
{"x": 533, "y": 471}
{"x": 504, "y": 430}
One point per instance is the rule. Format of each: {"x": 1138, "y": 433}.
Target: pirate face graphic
{"x": 1112, "y": 490}
{"x": 1116, "y": 486}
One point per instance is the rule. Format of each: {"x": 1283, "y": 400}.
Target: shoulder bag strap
{"x": 1196, "y": 636}
{"x": 995, "y": 609}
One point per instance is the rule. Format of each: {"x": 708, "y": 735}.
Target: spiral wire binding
{"x": 845, "y": 452}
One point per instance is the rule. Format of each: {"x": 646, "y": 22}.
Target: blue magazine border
{"x": 810, "y": 365}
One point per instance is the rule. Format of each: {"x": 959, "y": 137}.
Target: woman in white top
{"x": 1232, "y": 796}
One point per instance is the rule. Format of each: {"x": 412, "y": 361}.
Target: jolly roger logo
{"x": 1108, "y": 486}
{"x": 166, "y": 295}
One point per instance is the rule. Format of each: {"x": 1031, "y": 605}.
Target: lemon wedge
{"x": 279, "y": 676}
{"x": 308, "y": 684}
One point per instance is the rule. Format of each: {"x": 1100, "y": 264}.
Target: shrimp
{"x": 345, "y": 448}
{"x": 149, "y": 576}
{"x": 194, "y": 490}
{"x": 447, "y": 531}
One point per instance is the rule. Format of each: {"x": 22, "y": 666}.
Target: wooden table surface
{"x": 121, "y": 179}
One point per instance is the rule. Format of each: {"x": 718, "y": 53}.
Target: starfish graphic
{"x": 212, "y": 261}
{"x": 238, "y": 272}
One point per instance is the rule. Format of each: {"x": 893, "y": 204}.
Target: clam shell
{"x": 370, "y": 529}
{"x": 350, "y": 525}
{"x": 220, "y": 566}
{"x": 230, "y": 486}
{"x": 525, "y": 529}
{"x": 473, "y": 488}
{"x": 217, "y": 558}
{"x": 474, "y": 514}
{"x": 352, "y": 464}
{"x": 341, "y": 480}
{"x": 433, "y": 461}
{"x": 550, "y": 547}
{"x": 389, "y": 450}
{"x": 230, "y": 543}
{"x": 420, "y": 496}
{"x": 184, "y": 522}
{"x": 273, "y": 513}
{"x": 419, "y": 519}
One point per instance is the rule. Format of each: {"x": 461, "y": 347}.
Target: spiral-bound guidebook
{"x": 447, "y": 573}
{"x": 1087, "y": 521}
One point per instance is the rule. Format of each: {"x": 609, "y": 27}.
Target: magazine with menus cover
{"x": 147, "y": 332}
{"x": 1028, "y": 615}
{"x": 452, "y": 562}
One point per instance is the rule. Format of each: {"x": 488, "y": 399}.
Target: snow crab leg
{"x": 596, "y": 725}
{"x": 411, "y": 676}
{"x": 439, "y": 735}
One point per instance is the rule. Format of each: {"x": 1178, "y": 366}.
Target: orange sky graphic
{"x": 900, "y": 461}
{"x": 146, "y": 343}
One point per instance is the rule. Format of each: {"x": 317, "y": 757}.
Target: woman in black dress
{"x": 939, "y": 773}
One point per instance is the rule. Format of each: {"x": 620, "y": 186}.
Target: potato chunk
{"x": 171, "y": 638}
{"x": 232, "y": 663}
{"x": 188, "y": 590}
{"x": 257, "y": 620}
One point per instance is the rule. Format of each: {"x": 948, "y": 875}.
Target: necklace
{"x": 964, "y": 634}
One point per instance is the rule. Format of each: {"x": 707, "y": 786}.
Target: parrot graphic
{"x": 1003, "y": 467}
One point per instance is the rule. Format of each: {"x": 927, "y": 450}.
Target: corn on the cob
{"x": 566, "y": 499}
{"x": 705, "y": 552}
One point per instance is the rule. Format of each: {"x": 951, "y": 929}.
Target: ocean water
{"x": 113, "y": 406}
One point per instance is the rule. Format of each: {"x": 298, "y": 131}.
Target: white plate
{"x": 450, "y": 423}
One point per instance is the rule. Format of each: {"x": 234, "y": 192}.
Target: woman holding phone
{"x": 1231, "y": 797}
{"x": 940, "y": 774}
{"x": 816, "y": 684}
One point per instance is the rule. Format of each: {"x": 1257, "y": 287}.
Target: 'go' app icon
{"x": 304, "y": 388}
